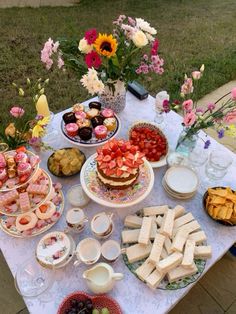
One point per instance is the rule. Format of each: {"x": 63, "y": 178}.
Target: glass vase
{"x": 114, "y": 96}
{"x": 186, "y": 142}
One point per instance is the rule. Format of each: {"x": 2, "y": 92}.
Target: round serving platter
{"x": 4, "y": 188}
{"x": 12, "y": 231}
{"x": 93, "y": 142}
{"x": 164, "y": 285}
{"x": 3, "y": 211}
{"x": 102, "y": 195}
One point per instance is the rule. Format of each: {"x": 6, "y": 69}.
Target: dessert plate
{"x": 174, "y": 194}
{"x": 4, "y": 187}
{"x": 13, "y": 208}
{"x": 164, "y": 285}
{"x": 153, "y": 127}
{"x": 100, "y": 194}
{"x": 93, "y": 142}
{"x": 7, "y": 224}
{"x": 181, "y": 180}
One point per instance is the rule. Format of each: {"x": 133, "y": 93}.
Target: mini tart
{"x": 92, "y": 113}
{"x": 46, "y": 210}
{"x": 25, "y": 222}
{"x": 110, "y": 124}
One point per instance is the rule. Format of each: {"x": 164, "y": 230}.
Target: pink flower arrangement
{"x": 231, "y": 116}
{"x": 50, "y": 48}
{"x": 17, "y": 112}
{"x": 187, "y": 87}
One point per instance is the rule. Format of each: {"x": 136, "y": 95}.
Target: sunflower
{"x": 105, "y": 45}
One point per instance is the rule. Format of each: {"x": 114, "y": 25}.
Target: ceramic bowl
{"x": 152, "y": 126}
{"x": 99, "y": 302}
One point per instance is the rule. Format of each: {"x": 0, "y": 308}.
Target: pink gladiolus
{"x": 17, "y": 112}
{"x": 155, "y": 46}
{"x": 233, "y": 93}
{"x": 189, "y": 118}
{"x": 187, "y": 105}
{"x": 60, "y": 62}
{"x": 196, "y": 75}
{"x": 131, "y": 21}
{"x": 230, "y": 117}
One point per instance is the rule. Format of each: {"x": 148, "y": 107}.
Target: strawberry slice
{"x": 119, "y": 162}
{"x": 104, "y": 165}
{"x": 129, "y": 170}
{"x": 43, "y": 208}
{"x": 106, "y": 151}
{"x": 123, "y": 148}
{"x": 112, "y": 164}
{"x": 99, "y": 158}
{"x": 119, "y": 172}
{"x": 23, "y": 221}
{"x": 114, "y": 147}
{"x": 128, "y": 163}
{"x": 130, "y": 156}
{"x": 107, "y": 158}
{"x": 109, "y": 172}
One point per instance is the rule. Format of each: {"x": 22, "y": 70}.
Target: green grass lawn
{"x": 191, "y": 32}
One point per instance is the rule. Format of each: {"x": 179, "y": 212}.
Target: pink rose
{"x": 17, "y": 112}
{"x": 233, "y": 93}
{"x": 230, "y": 117}
{"x": 187, "y": 105}
{"x": 189, "y": 118}
{"x": 196, "y": 75}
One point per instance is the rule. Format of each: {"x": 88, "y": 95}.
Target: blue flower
{"x": 221, "y": 133}
{"x": 207, "y": 144}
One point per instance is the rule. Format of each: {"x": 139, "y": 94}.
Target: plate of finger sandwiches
{"x": 164, "y": 247}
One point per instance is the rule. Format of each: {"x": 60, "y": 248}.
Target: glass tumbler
{"x": 217, "y": 165}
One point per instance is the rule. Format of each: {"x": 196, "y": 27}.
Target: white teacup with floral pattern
{"x": 88, "y": 251}
{"x": 75, "y": 219}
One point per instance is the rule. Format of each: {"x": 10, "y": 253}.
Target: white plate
{"x": 100, "y": 194}
{"x": 181, "y": 179}
{"x": 175, "y": 195}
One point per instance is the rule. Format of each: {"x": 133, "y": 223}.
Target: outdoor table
{"x": 132, "y": 294}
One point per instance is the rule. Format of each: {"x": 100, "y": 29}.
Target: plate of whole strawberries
{"x": 151, "y": 141}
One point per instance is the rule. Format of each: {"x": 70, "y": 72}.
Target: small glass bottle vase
{"x": 186, "y": 143}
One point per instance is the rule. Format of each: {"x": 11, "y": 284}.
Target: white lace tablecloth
{"x": 132, "y": 295}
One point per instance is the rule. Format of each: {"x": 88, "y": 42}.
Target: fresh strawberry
{"x": 128, "y": 163}
{"x": 104, "y": 165}
{"x": 119, "y": 172}
{"x": 119, "y": 162}
{"x": 43, "y": 208}
{"x": 106, "y": 151}
{"x": 114, "y": 147}
{"x": 23, "y": 221}
{"x": 123, "y": 148}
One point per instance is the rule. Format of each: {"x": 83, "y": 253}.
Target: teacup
{"x": 111, "y": 250}
{"x": 88, "y": 251}
{"x": 102, "y": 225}
{"x": 75, "y": 219}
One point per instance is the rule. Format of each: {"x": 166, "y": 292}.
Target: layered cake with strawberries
{"x": 118, "y": 164}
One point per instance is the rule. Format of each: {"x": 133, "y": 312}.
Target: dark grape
{"x": 73, "y": 303}
{"x": 89, "y": 306}
{"x": 80, "y": 305}
{"x": 83, "y": 312}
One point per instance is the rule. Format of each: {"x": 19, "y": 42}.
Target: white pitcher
{"x": 101, "y": 278}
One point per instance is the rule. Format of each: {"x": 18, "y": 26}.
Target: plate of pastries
{"x": 90, "y": 125}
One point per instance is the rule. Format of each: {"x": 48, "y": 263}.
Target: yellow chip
{"x": 215, "y": 211}
{"x": 210, "y": 210}
{"x": 218, "y": 200}
{"x": 218, "y": 192}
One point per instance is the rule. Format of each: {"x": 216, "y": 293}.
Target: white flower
{"x": 149, "y": 37}
{"x": 145, "y": 26}
{"x": 202, "y": 68}
{"x": 84, "y": 47}
{"x": 139, "y": 39}
{"x": 92, "y": 82}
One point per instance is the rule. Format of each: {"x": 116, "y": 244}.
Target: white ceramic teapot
{"x": 101, "y": 278}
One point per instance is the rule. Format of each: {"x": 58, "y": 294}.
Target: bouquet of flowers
{"x": 103, "y": 59}
{"x": 221, "y": 115}
{"x": 24, "y": 126}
